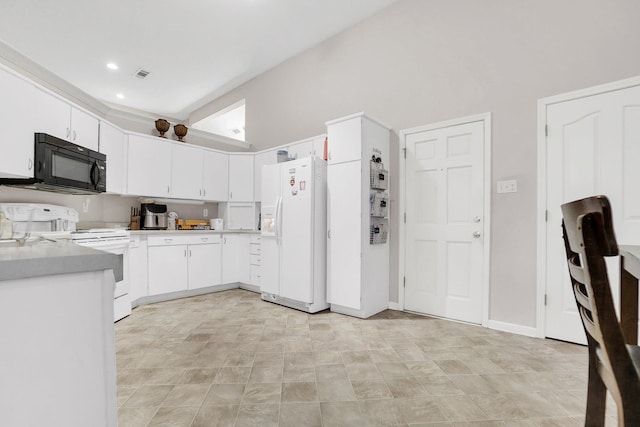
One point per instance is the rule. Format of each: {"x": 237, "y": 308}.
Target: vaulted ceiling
{"x": 194, "y": 51}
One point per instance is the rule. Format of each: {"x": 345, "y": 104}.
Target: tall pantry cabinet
{"x": 357, "y": 246}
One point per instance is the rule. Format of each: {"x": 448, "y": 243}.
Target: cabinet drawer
{"x": 254, "y": 271}
{"x": 181, "y": 239}
{"x": 255, "y": 239}
{"x": 254, "y": 259}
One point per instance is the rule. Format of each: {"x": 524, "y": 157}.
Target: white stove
{"x": 59, "y": 222}
{"x": 98, "y": 237}
{"x": 115, "y": 241}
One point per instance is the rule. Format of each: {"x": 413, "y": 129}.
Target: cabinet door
{"x": 186, "y": 172}
{"x": 84, "y": 129}
{"x": 344, "y": 243}
{"x": 241, "y": 177}
{"x": 168, "y": 269}
{"x": 51, "y": 115}
{"x": 244, "y": 258}
{"x": 301, "y": 149}
{"x": 345, "y": 140}
{"x": 16, "y": 127}
{"x": 149, "y": 168}
{"x": 113, "y": 143}
{"x": 205, "y": 263}
{"x": 230, "y": 258}
{"x": 239, "y": 216}
{"x": 265, "y": 158}
{"x": 215, "y": 176}
{"x": 138, "y": 268}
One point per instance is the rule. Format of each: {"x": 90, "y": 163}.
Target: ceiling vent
{"x": 141, "y": 74}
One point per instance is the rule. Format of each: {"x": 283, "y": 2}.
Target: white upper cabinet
{"x": 16, "y": 127}
{"x": 215, "y": 176}
{"x": 264, "y": 158}
{"x": 306, "y": 147}
{"x": 113, "y": 143}
{"x": 186, "y": 172}
{"x": 344, "y": 140}
{"x": 149, "y": 168}
{"x": 56, "y": 117}
{"x": 241, "y": 177}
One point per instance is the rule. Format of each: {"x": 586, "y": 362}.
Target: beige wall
{"x": 419, "y": 62}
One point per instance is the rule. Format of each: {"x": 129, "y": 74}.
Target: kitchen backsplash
{"x": 100, "y": 208}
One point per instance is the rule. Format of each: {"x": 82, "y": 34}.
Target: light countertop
{"x": 167, "y": 232}
{"x": 47, "y": 257}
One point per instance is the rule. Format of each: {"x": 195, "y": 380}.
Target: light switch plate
{"x": 508, "y": 186}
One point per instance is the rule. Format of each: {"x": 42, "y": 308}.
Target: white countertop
{"x": 47, "y": 257}
{"x": 166, "y": 232}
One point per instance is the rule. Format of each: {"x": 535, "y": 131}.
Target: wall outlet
{"x": 205, "y": 212}
{"x": 510, "y": 186}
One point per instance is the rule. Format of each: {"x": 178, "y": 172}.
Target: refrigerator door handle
{"x": 278, "y": 220}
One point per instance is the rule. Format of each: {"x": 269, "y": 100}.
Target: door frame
{"x": 541, "y": 255}
{"x": 486, "y": 119}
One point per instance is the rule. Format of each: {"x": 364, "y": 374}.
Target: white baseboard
{"x": 394, "y": 306}
{"x": 513, "y": 328}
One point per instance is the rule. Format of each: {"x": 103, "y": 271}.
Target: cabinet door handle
{"x": 231, "y": 194}
{"x": 204, "y": 239}
{"x": 185, "y": 253}
{"x": 168, "y": 240}
{"x": 224, "y": 240}
{"x": 30, "y": 164}
{"x": 189, "y": 253}
{"x": 168, "y": 189}
{"x": 75, "y": 135}
{"x": 68, "y": 132}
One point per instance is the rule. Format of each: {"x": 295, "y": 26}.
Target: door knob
{"x": 476, "y": 234}
{"x": 476, "y": 219}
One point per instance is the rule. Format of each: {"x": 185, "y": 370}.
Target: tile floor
{"x": 231, "y": 359}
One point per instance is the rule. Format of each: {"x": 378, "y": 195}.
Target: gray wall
{"x": 419, "y": 62}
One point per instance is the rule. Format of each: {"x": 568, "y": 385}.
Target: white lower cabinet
{"x": 138, "y": 268}
{"x": 255, "y": 259}
{"x": 167, "y": 268}
{"x": 235, "y": 258}
{"x": 202, "y": 259}
{"x": 183, "y": 262}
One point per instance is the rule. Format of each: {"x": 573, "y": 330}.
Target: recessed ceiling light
{"x": 112, "y": 66}
{"x": 120, "y": 96}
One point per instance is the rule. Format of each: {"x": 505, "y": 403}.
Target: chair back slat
{"x": 589, "y": 237}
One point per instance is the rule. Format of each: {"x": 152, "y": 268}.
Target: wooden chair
{"x": 589, "y": 238}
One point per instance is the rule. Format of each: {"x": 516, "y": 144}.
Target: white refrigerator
{"x": 293, "y": 228}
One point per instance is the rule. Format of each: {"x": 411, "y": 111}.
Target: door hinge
{"x": 546, "y": 215}
{"x": 546, "y": 130}
{"x": 545, "y": 299}
{"x": 404, "y": 282}
{"x": 405, "y": 217}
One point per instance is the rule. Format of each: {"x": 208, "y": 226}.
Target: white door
{"x": 592, "y": 147}
{"x": 444, "y": 230}
{"x": 296, "y": 264}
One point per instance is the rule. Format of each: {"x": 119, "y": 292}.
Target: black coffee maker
{"x": 153, "y": 216}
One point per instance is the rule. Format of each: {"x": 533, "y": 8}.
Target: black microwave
{"x": 64, "y": 167}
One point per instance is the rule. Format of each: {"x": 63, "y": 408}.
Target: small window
{"x": 228, "y": 122}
